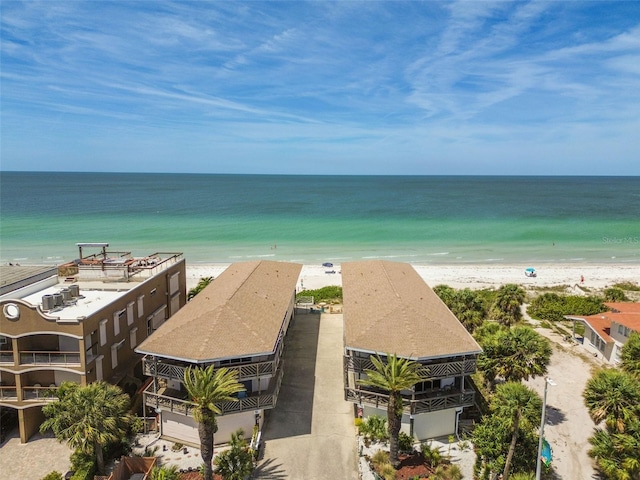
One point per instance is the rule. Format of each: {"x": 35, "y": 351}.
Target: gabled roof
{"x": 388, "y": 308}
{"x": 239, "y": 314}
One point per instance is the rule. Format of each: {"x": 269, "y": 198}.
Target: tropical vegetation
{"x": 169, "y": 472}
{"x": 513, "y": 354}
{"x": 506, "y": 440}
{"x": 506, "y": 306}
{"x": 374, "y": 428}
{"x": 202, "y": 283}
{"x": 393, "y": 376}
{"x": 206, "y": 387}
{"x": 613, "y": 396}
{"x": 469, "y": 306}
{"x": 553, "y": 307}
{"x": 236, "y": 463}
{"x": 630, "y": 355}
{"x": 615, "y": 294}
{"x": 329, "y": 294}
{"x": 613, "y": 399}
{"x": 89, "y": 418}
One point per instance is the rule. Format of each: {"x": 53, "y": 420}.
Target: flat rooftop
{"x": 96, "y": 282}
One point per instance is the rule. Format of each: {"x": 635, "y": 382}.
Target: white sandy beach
{"x": 596, "y": 276}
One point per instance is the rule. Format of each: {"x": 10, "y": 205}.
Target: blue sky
{"x": 341, "y": 87}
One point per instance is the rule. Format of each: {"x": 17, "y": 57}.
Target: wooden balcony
{"x": 50, "y": 358}
{"x": 434, "y": 370}
{"x": 253, "y": 401}
{"x": 175, "y": 371}
{"x": 421, "y": 403}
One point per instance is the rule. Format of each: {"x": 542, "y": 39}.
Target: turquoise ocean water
{"x": 312, "y": 219}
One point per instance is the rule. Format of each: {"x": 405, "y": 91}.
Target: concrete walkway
{"x": 32, "y": 460}
{"x": 310, "y": 434}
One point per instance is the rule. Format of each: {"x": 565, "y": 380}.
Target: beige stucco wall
{"x": 426, "y": 425}
{"x": 185, "y": 429}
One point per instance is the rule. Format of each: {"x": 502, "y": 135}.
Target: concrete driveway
{"x": 310, "y": 434}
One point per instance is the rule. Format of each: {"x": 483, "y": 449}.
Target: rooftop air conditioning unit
{"x": 48, "y": 302}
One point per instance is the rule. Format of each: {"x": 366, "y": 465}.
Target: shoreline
{"x": 473, "y": 276}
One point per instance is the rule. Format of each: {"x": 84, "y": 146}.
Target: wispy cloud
{"x": 390, "y": 86}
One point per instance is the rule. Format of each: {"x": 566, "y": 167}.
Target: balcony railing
{"x": 443, "y": 369}
{"x": 50, "y": 358}
{"x": 264, "y": 400}
{"x": 422, "y": 403}
{"x": 39, "y": 393}
{"x": 8, "y": 392}
{"x": 6, "y": 357}
{"x": 245, "y": 371}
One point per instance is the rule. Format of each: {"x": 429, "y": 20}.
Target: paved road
{"x": 310, "y": 434}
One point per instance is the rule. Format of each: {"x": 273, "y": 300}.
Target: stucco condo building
{"x": 240, "y": 322}
{"x": 80, "y": 322}
{"x": 389, "y": 309}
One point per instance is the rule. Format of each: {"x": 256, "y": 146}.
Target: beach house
{"x": 389, "y": 309}
{"x": 606, "y": 333}
{"x": 239, "y": 321}
{"x": 80, "y": 322}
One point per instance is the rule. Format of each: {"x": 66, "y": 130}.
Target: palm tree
{"x": 395, "y": 375}
{"x": 202, "y": 283}
{"x": 88, "y": 418}
{"x": 514, "y": 354}
{"x": 517, "y": 406}
{"x": 506, "y": 306}
{"x": 613, "y": 396}
{"x": 631, "y": 355}
{"x": 206, "y": 387}
{"x": 617, "y": 454}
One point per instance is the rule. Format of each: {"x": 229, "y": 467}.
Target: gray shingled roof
{"x": 239, "y": 314}
{"x": 16, "y": 276}
{"x": 388, "y": 308}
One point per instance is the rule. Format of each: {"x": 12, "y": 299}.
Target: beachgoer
{"x": 581, "y": 278}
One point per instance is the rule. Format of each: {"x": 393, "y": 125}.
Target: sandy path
{"x": 568, "y": 426}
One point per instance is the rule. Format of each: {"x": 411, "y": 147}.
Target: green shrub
{"x": 405, "y": 442}
{"x": 53, "y": 476}
{"x": 83, "y": 465}
{"x": 165, "y": 473}
{"x": 329, "y": 294}
{"x": 374, "y": 428}
{"x": 176, "y": 447}
{"x": 553, "y": 307}
{"x": 615, "y": 294}
{"x": 628, "y": 286}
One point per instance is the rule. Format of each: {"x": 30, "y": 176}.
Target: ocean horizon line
{"x": 322, "y": 175}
